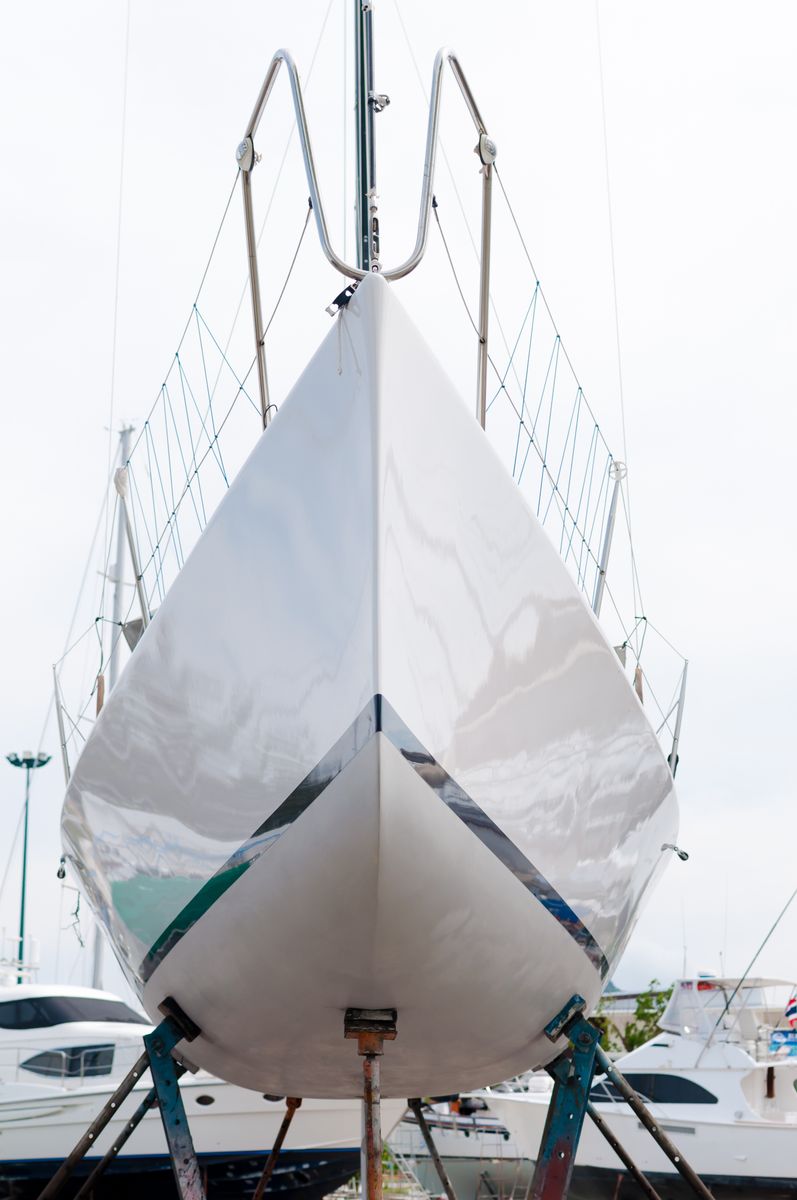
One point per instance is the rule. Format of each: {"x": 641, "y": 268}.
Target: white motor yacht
{"x": 63, "y": 1050}
{"x": 720, "y": 1079}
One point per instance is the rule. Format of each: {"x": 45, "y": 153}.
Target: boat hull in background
{"x": 232, "y": 1129}
{"x": 373, "y": 751}
{"x": 731, "y": 1155}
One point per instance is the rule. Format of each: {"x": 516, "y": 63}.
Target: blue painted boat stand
{"x": 160, "y": 1044}
{"x": 572, "y": 1074}
{"x": 157, "y": 1057}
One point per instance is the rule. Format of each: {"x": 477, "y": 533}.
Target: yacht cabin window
{"x": 41, "y": 1012}
{"x": 660, "y": 1089}
{"x": 76, "y": 1062}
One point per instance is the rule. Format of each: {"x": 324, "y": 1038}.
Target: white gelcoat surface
{"x": 371, "y": 544}
{"x": 39, "y": 1122}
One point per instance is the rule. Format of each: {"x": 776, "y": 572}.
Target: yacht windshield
{"x": 696, "y": 1006}
{"x": 41, "y": 1012}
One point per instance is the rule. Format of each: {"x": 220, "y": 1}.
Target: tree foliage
{"x": 644, "y": 1024}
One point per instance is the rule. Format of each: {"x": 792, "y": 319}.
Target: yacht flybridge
{"x": 373, "y": 751}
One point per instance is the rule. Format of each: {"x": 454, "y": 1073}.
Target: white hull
{"x": 742, "y": 1149}
{"x": 36, "y": 1126}
{"x": 372, "y": 751}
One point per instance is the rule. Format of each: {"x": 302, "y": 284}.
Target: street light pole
{"x": 30, "y": 762}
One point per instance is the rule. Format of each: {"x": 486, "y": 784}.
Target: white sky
{"x": 701, "y": 105}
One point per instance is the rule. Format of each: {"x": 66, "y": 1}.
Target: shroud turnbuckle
{"x": 572, "y": 1074}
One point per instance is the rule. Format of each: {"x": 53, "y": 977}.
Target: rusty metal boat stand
{"x": 416, "y": 1108}
{"x": 371, "y": 1027}
{"x": 291, "y": 1104}
{"x": 157, "y": 1057}
{"x": 572, "y": 1074}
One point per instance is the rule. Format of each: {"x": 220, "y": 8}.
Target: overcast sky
{"x": 701, "y": 104}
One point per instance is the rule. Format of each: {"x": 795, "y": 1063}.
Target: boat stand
{"x": 291, "y": 1104}
{"x": 157, "y": 1056}
{"x": 572, "y": 1073}
{"x": 416, "y": 1108}
{"x": 372, "y": 1027}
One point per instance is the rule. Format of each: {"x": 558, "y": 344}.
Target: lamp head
{"x": 28, "y": 759}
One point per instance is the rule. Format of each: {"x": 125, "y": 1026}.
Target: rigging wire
{"x": 73, "y": 619}
{"x": 638, "y": 604}
{"x": 14, "y": 841}
{"x": 114, "y": 337}
{"x": 747, "y": 971}
{"x": 452, "y": 177}
{"x": 611, "y": 231}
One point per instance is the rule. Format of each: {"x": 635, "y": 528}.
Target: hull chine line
{"x": 378, "y": 716}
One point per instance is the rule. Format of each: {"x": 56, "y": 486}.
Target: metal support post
{"x": 572, "y": 1074}
{"x": 246, "y": 161}
{"x": 176, "y": 1027}
{"x": 417, "y": 1109}
{"x": 59, "y": 716}
{"x": 366, "y": 105}
{"x": 486, "y": 151}
{"x": 160, "y": 1043}
{"x": 673, "y": 759}
{"x": 20, "y": 976}
{"x": 617, "y": 472}
{"x": 372, "y": 1027}
{"x": 149, "y": 1102}
{"x": 633, "y": 1170}
{"x": 640, "y": 1110}
{"x": 291, "y": 1104}
{"x": 120, "y": 482}
{"x": 106, "y": 1113}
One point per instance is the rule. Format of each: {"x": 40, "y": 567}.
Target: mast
{"x": 366, "y": 104}
{"x": 119, "y": 567}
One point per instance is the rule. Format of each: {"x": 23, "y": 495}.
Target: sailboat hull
{"x": 373, "y": 751}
